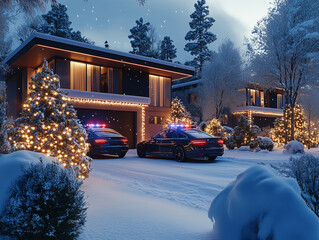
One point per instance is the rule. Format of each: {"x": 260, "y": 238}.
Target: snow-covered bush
{"x": 259, "y": 204}
{"x": 45, "y": 203}
{"x": 230, "y": 142}
{"x": 265, "y": 143}
{"x": 253, "y": 144}
{"x": 244, "y": 148}
{"x": 294, "y": 147}
{"x": 306, "y": 171}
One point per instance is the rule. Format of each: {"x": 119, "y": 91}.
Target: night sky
{"x": 111, "y": 20}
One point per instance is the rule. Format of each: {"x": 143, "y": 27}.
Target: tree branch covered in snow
{"x": 284, "y": 47}
{"x": 221, "y": 78}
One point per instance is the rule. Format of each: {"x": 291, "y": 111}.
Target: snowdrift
{"x": 11, "y": 166}
{"x": 261, "y": 205}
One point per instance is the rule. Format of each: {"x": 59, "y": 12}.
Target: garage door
{"x": 121, "y": 121}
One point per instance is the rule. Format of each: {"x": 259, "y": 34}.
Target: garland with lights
{"x": 179, "y": 114}
{"x": 277, "y": 134}
{"x": 49, "y": 124}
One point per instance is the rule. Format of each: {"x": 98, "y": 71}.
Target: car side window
{"x": 162, "y": 134}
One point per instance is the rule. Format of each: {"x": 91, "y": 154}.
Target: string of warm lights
{"x": 49, "y": 124}
{"x": 142, "y": 106}
{"x": 282, "y": 128}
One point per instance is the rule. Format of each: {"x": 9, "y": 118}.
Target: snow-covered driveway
{"x": 152, "y": 198}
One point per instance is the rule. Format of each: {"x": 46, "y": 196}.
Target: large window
{"x": 160, "y": 91}
{"x": 255, "y": 97}
{"x": 88, "y": 77}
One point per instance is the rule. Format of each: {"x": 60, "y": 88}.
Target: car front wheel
{"x": 179, "y": 154}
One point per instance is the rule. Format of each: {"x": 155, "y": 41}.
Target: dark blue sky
{"x": 101, "y": 20}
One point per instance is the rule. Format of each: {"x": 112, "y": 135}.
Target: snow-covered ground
{"x": 152, "y": 198}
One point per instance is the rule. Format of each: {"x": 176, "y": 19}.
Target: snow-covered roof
{"x": 185, "y": 84}
{"x": 59, "y": 40}
{"x": 107, "y": 96}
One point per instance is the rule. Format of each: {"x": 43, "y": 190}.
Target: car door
{"x": 168, "y": 142}
{"x": 153, "y": 144}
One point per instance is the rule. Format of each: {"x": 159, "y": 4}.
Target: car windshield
{"x": 105, "y": 132}
{"x": 198, "y": 134}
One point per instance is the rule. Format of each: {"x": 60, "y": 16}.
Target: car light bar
{"x": 96, "y": 125}
{"x": 176, "y": 125}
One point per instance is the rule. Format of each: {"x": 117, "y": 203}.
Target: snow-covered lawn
{"x": 152, "y": 198}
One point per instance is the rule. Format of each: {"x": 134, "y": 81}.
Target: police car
{"x": 105, "y": 140}
{"x": 182, "y": 142}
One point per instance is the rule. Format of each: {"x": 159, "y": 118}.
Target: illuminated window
{"x": 156, "y": 120}
{"x": 160, "y": 91}
{"x": 279, "y": 101}
{"x": 78, "y": 76}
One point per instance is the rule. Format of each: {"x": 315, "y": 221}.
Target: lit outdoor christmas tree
{"x": 49, "y": 124}
{"x": 215, "y": 128}
{"x": 178, "y": 113}
{"x": 277, "y": 133}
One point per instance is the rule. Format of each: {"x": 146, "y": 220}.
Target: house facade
{"x": 127, "y": 92}
{"x": 261, "y": 105}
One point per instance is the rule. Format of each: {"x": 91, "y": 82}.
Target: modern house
{"x": 130, "y": 93}
{"x": 262, "y": 106}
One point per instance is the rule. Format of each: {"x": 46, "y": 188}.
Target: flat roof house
{"x": 128, "y": 92}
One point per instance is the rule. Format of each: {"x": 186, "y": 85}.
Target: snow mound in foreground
{"x": 294, "y": 147}
{"x": 11, "y": 166}
{"x": 261, "y": 205}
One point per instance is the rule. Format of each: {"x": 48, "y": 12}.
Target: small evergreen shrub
{"x": 306, "y": 171}
{"x": 294, "y": 147}
{"x": 230, "y": 142}
{"x": 45, "y": 203}
{"x": 265, "y": 143}
{"x": 253, "y": 144}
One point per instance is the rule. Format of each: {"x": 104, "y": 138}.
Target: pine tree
{"x": 178, "y": 113}
{"x": 199, "y": 36}
{"x": 56, "y": 22}
{"x": 4, "y": 143}
{"x": 277, "y": 133}
{"x": 168, "y": 49}
{"x": 49, "y": 124}
{"x": 141, "y": 42}
{"x": 245, "y": 132}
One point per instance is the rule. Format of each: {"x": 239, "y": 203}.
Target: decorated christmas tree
{"x": 4, "y": 143}
{"x": 49, "y": 124}
{"x": 178, "y": 113}
{"x": 277, "y": 133}
{"x": 215, "y": 128}
{"x": 245, "y": 132}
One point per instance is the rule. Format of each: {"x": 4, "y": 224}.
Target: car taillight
{"x": 100, "y": 141}
{"x": 220, "y": 142}
{"x": 124, "y": 140}
{"x": 199, "y": 142}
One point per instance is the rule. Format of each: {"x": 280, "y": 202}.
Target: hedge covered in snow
{"x": 259, "y": 204}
